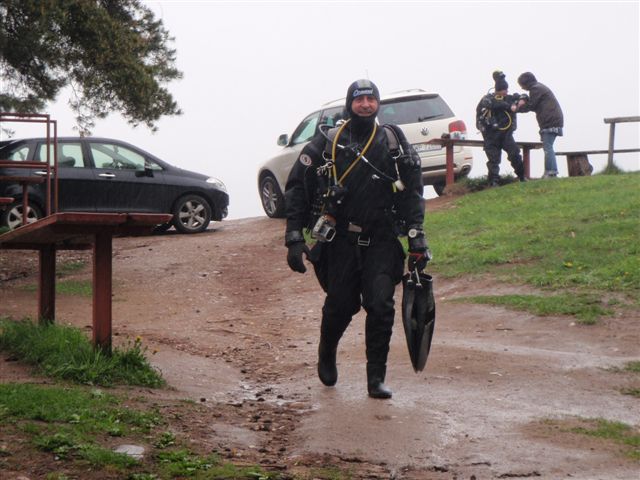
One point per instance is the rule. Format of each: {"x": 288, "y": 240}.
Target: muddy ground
{"x": 235, "y": 330}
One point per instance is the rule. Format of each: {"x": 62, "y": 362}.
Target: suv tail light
{"x": 458, "y": 126}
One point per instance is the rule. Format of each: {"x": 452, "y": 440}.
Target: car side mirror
{"x": 147, "y": 172}
{"x": 283, "y": 140}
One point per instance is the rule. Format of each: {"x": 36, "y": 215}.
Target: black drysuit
{"x": 359, "y": 268}
{"x": 497, "y": 127}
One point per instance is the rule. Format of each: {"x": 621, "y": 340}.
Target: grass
{"x": 77, "y": 425}
{"x": 625, "y": 438}
{"x": 630, "y": 367}
{"x": 585, "y": 308}
{"x": 570, "y": 237}
{"x": 65, "y": 353}
{"x": 624, "y": 435}
{"x": 70, "y": 267}
{"x": 82, "y": 288}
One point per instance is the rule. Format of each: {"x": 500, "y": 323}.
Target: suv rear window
{"x": 413, "y": 110}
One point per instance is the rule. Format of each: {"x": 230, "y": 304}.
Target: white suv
{"x": 422, "y": 116}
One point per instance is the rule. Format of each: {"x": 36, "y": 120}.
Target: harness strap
{"x": 334, "y": 146}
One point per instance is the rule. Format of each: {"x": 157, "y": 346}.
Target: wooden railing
{"x": 612, "y": 135}
{"x": 449, "y": 143}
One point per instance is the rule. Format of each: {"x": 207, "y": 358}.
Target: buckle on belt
{"x": 363, "y": 240}
{"x": 356, "y": 231}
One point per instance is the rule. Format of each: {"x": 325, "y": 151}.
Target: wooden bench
{"x": 578, "y": 161}
{"x": 78, "y": 231}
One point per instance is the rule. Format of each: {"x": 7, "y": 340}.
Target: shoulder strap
{"x": 328, "y": 146}
{"x": 392, "y": 138}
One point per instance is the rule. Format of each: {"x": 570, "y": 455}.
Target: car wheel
{"x": 12, "y": 215}
{"x": 439, "y": 188}
{"x": 191, "y": 214}
{"x": 271, "y": 197}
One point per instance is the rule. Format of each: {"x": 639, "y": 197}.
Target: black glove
{"x": 419, "y": 253}
{"x": 294, "y": 256}
{"x": 418, "y": 260}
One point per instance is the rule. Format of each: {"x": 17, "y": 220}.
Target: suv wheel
{"x": 271, "y": 197}
{"x": 12, "y": 215}
{"x": 191, "y": 214}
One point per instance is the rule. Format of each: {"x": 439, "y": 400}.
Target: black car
{"x": 104, "y": 175}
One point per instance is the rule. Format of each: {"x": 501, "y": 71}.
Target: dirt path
{"x": 237, "y": 331}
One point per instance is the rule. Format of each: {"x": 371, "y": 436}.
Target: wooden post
{"x": 612, "y": 134}
{"x": 450, "y": 176}
{"x": 102, "y": 287}
{"x": 526, "y": 162}
{"x": 47, "y": 284}
{"x": 25, "y": 203}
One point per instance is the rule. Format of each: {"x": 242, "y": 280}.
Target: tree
{"x": 113, "y": 54}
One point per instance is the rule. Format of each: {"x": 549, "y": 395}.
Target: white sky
{"x": 253, "y": 70}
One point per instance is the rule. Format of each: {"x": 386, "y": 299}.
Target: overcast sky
{"x": 253, "y": 70}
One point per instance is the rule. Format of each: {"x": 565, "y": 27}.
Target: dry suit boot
{"x": 327, "y": 369}
{"x": 375, "y": 382}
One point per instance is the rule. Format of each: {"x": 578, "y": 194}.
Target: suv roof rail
{"x": 333, "y": 101}
{"x": 407, "y": 91}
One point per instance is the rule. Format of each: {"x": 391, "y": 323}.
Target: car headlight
{"x": 217, "y": 183}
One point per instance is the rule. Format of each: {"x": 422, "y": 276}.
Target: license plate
{"x": 426, "y": 147}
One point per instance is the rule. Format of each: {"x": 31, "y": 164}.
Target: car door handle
{"x": 41, "y": 173}
{"x": 107, "y": 175}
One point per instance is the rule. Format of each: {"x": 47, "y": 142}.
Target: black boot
{"x": 375, "y": 381}
{"x": 327, "y": 370}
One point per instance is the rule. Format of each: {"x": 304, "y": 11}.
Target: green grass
{"x": 570, "y": 236}
{"x": 70, "y": 267}
{"x": 632, "y": 367}
{"x": 586, "y": 308}
{"x": 82, "y": 288}
{"x": 67, "y": 421}
{"x": 617, "y": 432}
{"x": 66, "y": 353}
{"x": 76, "y": 424}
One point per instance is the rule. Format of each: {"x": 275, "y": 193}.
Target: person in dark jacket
{"x": 496, "y": 120}
{"x": 356, "y": 198}
{"x": 548, "y": 114}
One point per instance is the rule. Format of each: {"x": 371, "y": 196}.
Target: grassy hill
{"x": 576, "y": 240}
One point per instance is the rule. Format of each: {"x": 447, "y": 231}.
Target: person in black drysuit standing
{"x": 364, "y": 261}
{"x": 496, "y": 120}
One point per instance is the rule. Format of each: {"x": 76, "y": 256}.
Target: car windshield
{"x": 305, "y": 130}
{"x": 413, "y": 110}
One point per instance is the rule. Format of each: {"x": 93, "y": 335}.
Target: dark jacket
{"x": 370, "y": 200}
{"x": 544, "y": 103}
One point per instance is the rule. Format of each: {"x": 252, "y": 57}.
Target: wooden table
{"x": 76, "y": 231}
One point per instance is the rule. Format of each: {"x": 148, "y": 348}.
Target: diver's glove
{"x": 294, "y": 241}
{"x": 419, "y": 253}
